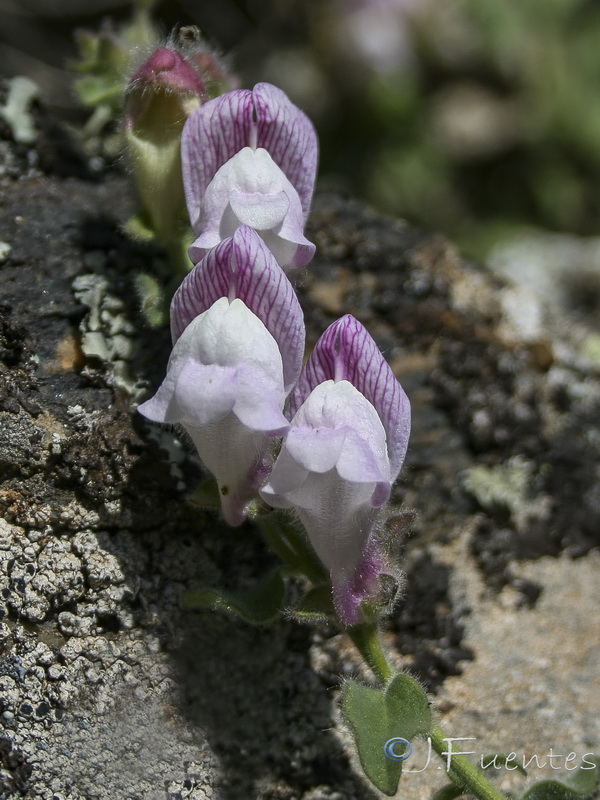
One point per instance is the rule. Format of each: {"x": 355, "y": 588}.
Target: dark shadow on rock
{"x": 265, "y": 713}
{"x": 429, "y": 629}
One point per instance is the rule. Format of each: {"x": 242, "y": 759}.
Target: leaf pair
{"x": 381, "y": 720}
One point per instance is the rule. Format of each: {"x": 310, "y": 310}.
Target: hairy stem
{"x": 462, "y": 771}
{"x": 366, "y": 641}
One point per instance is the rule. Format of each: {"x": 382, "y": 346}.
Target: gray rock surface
{"x": 109, "y": 687}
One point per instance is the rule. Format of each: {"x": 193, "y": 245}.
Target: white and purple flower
{"x": 250, "y": 158}
{"x": 239, "y": 339}
{"x": 345, "y": 446}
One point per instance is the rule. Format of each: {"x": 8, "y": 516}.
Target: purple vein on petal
{"x": 211, "y": 136}
{"x": 244, "y": 267}
{"x": 346, "y": 351}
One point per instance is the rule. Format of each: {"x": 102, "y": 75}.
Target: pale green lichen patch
{"x": 106, "y": 332}
{"x": 15, "y": 112}
{"x": 512, "y": 486}
{"x": 5, "y": 249}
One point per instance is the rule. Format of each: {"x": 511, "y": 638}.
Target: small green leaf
{"x": 206, "y": 495}
{"x": 449, "y": 792}
{"x": 152, "y": 300}
{"x": 139, "y": 227}
{"x": 498, "y": 760}
{"x": 377, "y": 716}
{"x": 315, "y": 605}
{"x": 258, "y": 606}
{"x": 581, "y": 782}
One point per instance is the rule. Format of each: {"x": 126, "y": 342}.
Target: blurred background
{"x": 477, "y": 118}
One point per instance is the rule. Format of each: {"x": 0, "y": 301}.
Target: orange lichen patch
{"x": 69, "y": 355}
{"x": 329, "y": 296}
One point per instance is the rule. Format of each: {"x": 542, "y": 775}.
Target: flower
{"x": 243, "y": 266}
{"x": 344, "y": 448}
{"x": 346, "y": 351}
{"x": 250, "y": 157}
{"x": 224, "y": 384}
{"x": 238, "y": 342}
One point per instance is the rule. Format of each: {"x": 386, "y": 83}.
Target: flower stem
{"x": 291, "y": 546}
{"x": 366, "y": 641}
{"x": 271, "y": 531}
{"x": 462, "y": 771}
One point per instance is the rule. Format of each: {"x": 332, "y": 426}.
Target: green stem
{"x": 177, "y": 248}
{"x": 366, "y": 641}
{"x": 291, "y": 546}
{"x": 462, "y": 771}
{"x": 271, "y": 531}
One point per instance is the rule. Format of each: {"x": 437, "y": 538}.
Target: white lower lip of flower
{"x": 255, "y": 188}
{"x": 233, "y": 453}
{"x": 338, "y": 517}
{"x": 229, "y": 334}
{"x": 250, "y": 189}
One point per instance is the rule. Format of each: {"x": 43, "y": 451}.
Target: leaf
{"x": 206, "y": 495}
{"x": 448, "y": 792}
{"x": 377, "y": 716}
{"x": 152, "y": 301}
{"x": 317, "y": 604}
{"x": 258, "y": 606}
{"x": 581, "y": 782}
{"x": 139, "y": 227}
{"x": 498, "y": 760}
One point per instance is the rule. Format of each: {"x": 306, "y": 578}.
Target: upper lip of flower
{"x": 243, "y": 266}
{"x": 346, "y": 351}
{"x": 261, "y": 118}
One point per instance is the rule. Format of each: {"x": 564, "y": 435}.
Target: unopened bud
{"x": 161, "y": 95}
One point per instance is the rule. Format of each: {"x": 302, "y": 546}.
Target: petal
{"x": 260, "y": 211}
{"x": 346, "y": 351}
{"x": 338, "y": 518}
{"x": 250, "y": 189}
{"x": 291, "y": 252}
{"x": 225, "y": 360}
{"x": 315, "y": 449}
{"x": 244, "y": 267}
{"x": 350, "y": 590}
{"x": 259, "y": 403}
{"x": 231, "y": 335}
{"x": 286, "y": 476}
{"x": 246, "y": 174}
{"x": 234, "y": 454}
{"x": 289, "y": 136}
{"x": 265, "y": 118}
{"x": 362, "y": 455}
{"x": 211, "y": 136}
{"x": 196, "y": 395}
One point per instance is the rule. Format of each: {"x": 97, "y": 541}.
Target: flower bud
{"x": 160, "y": 96}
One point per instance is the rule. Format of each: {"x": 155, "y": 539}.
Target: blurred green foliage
{"x": 493, "y": 124}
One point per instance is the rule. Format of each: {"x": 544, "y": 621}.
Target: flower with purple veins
{"x": 243, "y": 266}
{"x": 239, "y": 339}
{"x": 344, "y": 448}
{"x": 250, "y": 157}
{"x": 346, "y": 351}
